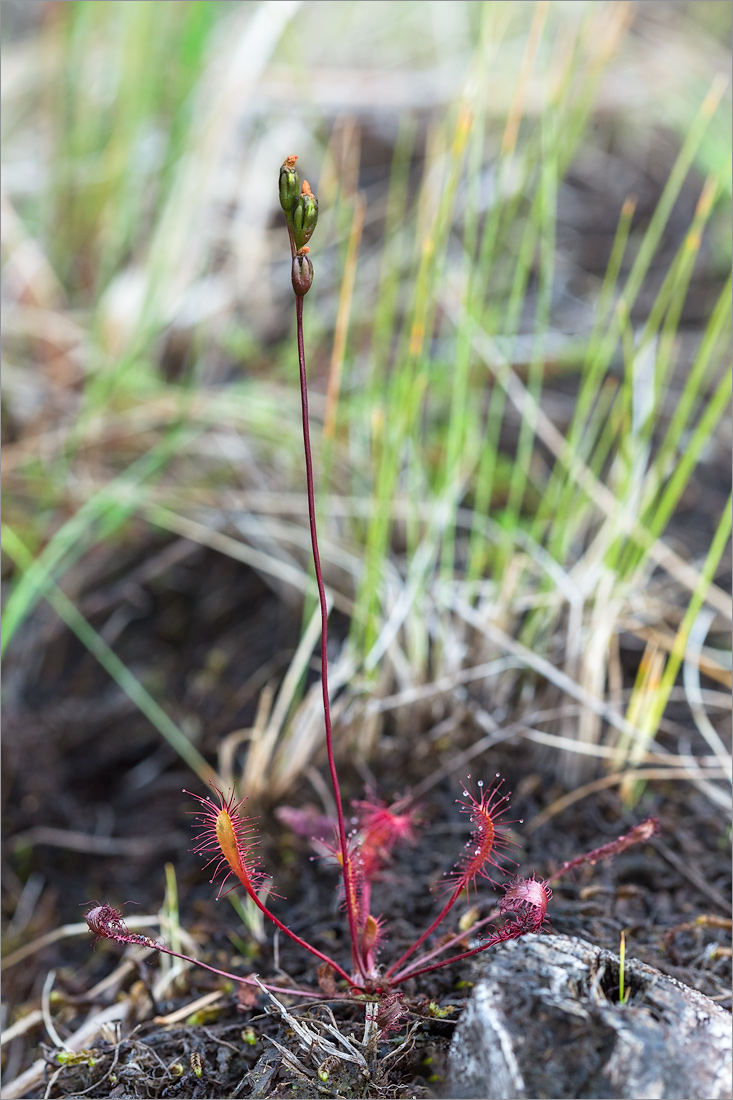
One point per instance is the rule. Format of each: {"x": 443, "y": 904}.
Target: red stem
{"x": 500, "y": 937}
{"x": 454, "y": 940}
{"x": 343, "y": 846}
{"x": 235, "y": 977}
{"x": 293, "y": 936}
{"x": 438, "y": 920}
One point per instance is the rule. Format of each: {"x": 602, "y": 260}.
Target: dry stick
{"x": 31, "y": 1078}
{"x": 343, "y": 845}
{"x": 605, "y": 781}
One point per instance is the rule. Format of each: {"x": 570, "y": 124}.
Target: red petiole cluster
{"x": 228, "y": 838}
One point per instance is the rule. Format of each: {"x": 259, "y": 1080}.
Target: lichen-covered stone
{"x": 544, "y": 1020}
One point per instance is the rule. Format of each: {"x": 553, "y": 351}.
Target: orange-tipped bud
{"x": 302, "y": 272}
{"x": 305, "y": 216}
{"x": 288, "y": 184}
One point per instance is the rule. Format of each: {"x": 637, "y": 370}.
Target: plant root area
{"x": 94, "y": 812}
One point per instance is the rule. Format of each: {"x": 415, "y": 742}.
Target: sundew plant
{"x": 228, "y": 839}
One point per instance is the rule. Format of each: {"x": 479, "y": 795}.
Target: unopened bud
{"x": 305, "y": 216}
{"x": 289, "y": 184}
{"x": 302, "y": 272}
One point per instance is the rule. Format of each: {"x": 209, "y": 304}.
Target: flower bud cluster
{"x": 301, "y": 212}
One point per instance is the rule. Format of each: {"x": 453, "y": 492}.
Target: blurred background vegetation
{"x": 518, "y": 341}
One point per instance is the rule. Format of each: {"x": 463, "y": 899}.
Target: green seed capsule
{"x": 289, "y": 184}
{"x": 305, "y": 216}
{"x": 302, "y": 272}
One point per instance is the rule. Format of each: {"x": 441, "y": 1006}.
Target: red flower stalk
{"x": 301, "y": 220}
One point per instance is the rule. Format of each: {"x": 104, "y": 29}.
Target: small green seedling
{"x": 623, "y": 993}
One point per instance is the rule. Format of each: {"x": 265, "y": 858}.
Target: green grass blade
{"x": 107, "y": 510}
{"x": 108, "y": 659}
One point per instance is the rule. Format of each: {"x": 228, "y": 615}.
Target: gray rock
{"x": 544, "y": 1020}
